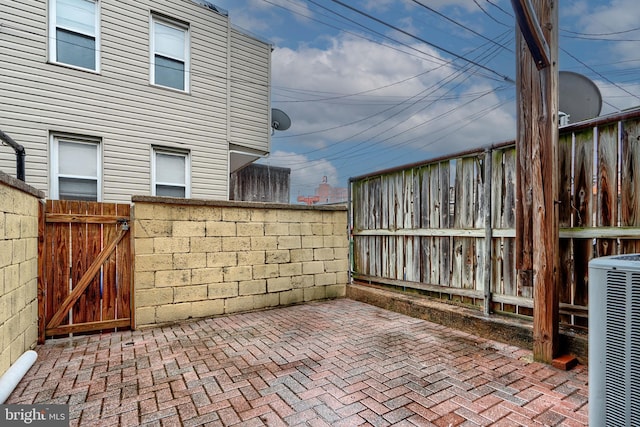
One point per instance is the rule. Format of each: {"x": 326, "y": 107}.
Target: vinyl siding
{"x": 119, "y": 105}
{"x": 250, "y": 103}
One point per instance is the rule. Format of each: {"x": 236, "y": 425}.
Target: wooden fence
{"x": 446, "y": 227}
{"x": 85, "y": 261}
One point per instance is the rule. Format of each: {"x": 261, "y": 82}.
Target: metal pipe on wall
{"x": 20, "y": 155}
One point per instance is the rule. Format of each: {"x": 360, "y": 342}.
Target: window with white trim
{"x": 74, "y": 37}
{"x": 170, "y": 172}
{"x": 75, "y": 168}
{"x": 169, "y": 53}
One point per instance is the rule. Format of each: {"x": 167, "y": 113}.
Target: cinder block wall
{"x": 19, "y": 207}
{"x": 197, "y": 258}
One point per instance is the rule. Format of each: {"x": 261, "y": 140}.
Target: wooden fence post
{"x": 537, "y": 240}
{"x": 488, "y": 231}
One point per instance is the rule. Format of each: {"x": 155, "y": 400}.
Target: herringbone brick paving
{"x": 332, "y": 363}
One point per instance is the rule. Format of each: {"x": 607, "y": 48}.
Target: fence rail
{"x": 447, "y": 227}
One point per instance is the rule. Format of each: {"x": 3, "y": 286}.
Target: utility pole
{"x": 537, "y": 239}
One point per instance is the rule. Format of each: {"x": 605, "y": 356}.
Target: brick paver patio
{"x": 332, "y": 363}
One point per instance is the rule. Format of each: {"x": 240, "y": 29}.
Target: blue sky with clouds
{"x": 364, "y": 96}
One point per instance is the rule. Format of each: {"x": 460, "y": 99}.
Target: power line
{"x": 379, "y": 153}
{"x": 599, "y": 74}
{"x": 350, "y": 95}
{"x": 600, "y": 34}
{"x": 462, "y": 25}
{"x": 386, "y": 24}
{"x": 593, "y": 38}
{"x": 379, "y": 100}
{"x": 424, "y": 108}
{"x": 355, "y": 149}
{"x": 468, "y": 121}
{"x": 427, "y": 121}
{"x": 331, "y": 98}
{"x": 436, "y": 59}
{"x": 194, "y": 72}
{"x": 500, "y": 8}
{"x": 432, "y": 88}
{"x": 490, "y": 15}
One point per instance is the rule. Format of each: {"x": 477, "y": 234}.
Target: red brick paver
{"x": 332, "y": 363}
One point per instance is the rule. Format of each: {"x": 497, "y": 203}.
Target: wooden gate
{"x": 85, "y": 264}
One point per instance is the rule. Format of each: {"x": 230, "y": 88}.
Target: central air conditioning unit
{"x": 614, "y": 341}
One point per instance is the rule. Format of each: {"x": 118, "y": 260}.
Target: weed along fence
{"x": 447, "y": 227}
{"x": 196, "y": 258}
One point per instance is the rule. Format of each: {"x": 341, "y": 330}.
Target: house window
{"x": 170, "y": 171}
{"x": 75, "y": 168}
{"x": 169, "y": 54}
{"x": 73, "y": 33}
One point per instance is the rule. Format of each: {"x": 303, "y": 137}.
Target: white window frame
{"x": 54, "y": 190}
{"x": 187, "y": 172}
{"x": 53, "y": 26}
{"x": 154, "y": 18}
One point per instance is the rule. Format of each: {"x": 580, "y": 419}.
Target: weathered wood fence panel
{"x": 630, "y": 181}
{"x": 566, "y": 285}
{"x": 422, "y": 226}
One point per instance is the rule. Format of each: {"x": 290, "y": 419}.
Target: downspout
{"x": 15, "y": 373}
{"x": 229, "y": 100}
{"x": 20, "y": 155}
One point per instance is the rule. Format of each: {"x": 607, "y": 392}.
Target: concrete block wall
{"x": 197, "y": 258}
{"x": 19, "y": 208}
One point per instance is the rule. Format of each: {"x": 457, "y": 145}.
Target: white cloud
{"x": 352, "y": 66}
{"x": 259, "y": 16}
{"x": 378, "y": 5}
{"x": 340, "y": 136}
{"x": 572, "y": 9}
{"x": 614, "y": 16}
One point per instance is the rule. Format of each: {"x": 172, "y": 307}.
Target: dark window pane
{"x": 169, "y": 72}
{"x": 75, "y": 49}
{"x": 78, "y": 189}
{"x": 170, "y": 191}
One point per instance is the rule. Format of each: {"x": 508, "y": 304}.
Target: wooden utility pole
{"x": 537, "y": 241}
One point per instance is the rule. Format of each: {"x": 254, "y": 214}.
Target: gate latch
{"x": 125, "y": 224}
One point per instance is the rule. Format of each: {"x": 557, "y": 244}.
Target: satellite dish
{"x": 579, "y": 97}
{"x": 279, "y": 120}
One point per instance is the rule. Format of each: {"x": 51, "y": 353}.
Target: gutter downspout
{"x": 20, "y": 155}
{"x": 15, "y": 373}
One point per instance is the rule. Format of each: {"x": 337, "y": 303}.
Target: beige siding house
{"x": 113, "y": 98}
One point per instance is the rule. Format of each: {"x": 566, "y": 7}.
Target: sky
{"x": 374, "y": 84}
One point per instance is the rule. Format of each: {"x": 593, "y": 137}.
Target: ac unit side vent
{"x": 630, "y": 257}
{"x": 614, "y": 341}
{"x": 634, "y": 341}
